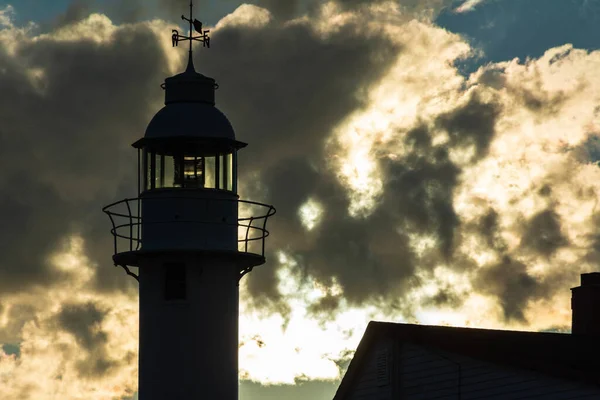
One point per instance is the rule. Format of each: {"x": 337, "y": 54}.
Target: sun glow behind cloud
{"x": 311, "y": 348}
{"x": 310, "y": 213}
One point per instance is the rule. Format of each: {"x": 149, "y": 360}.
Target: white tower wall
{"x": 189, "y": 348}
{"x": 189, "y": 220}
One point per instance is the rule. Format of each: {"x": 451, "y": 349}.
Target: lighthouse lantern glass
{"x": 210, "y": 172}
{"x": 189, "y": 171}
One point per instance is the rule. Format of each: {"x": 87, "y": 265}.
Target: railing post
{"x": 264, "y": 230}
{"x": 112, "y": 221}
{"x": 139, "y": 223}
{"x": 247, "y": 232}
{"x": 130, "y": 226}
{"x": 139, "y": 175}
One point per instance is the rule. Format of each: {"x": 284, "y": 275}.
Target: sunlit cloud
{"x": 6, "y": 16}
{"x": 468, "y": 5}
{"x": 246, "y": 15}
{"x": 310, "y": 213}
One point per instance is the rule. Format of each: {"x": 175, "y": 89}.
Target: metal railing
{"x": 127, "y": 225}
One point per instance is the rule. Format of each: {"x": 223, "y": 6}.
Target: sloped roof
{"x": 566, "y": 356}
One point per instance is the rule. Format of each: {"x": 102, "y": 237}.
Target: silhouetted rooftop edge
{"x": 566, "y": 356}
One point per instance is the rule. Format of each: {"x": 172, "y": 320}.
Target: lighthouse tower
{"x": 190, "y": 246}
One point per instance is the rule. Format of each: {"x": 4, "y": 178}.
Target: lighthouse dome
{"x": 190, "y": 120}
{"x": 189, "y": 110}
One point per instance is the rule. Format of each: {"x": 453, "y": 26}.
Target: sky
{"x": 431, "y": 162}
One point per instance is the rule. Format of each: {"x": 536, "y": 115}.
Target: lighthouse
{"x": 191, "y": 239}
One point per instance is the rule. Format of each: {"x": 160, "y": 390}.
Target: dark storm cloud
{"x": 543, "y": 233}
{"x": 84, "y": 322}
{"x": 509, "y": 281}
{"x": 539, "y": 102}
{"x": 29, "y": 234}
{"x": 65, "y": 146}
{"x": 419, "y": 192}
{"x": 473, "y": 124}
{"x": 487, "y": 227}
{"x": 444, "y": 297}
{"x": 325, "y": 305}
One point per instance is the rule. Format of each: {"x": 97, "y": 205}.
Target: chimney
{"x": 585, "y": 303}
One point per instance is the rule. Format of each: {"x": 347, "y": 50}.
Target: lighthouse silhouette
{"x": 192, "y": 239}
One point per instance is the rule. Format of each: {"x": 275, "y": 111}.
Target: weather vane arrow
{"x": 176, "y": 37}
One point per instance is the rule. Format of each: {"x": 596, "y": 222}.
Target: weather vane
{"x": 197, "y": 26}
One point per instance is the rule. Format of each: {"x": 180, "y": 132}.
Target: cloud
{"x": 83, "y": 321}
{"x": 468, "y": 5}
{"x": 6, "y": 16}
{"x": 56, "y": 97}
{"x": 64, "y": 340}
{"x": 543, "y": 233}
{"x": 511, "y": 283}
{"x": 437, "y": 193}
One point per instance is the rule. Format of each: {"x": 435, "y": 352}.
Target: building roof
{"x": 566, "y": 356}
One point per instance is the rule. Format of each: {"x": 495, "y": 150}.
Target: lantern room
{"x": 187, "y": 164}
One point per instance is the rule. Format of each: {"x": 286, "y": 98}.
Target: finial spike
{"x": 190, "y": 65}
{"x": 194, "y": 25}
